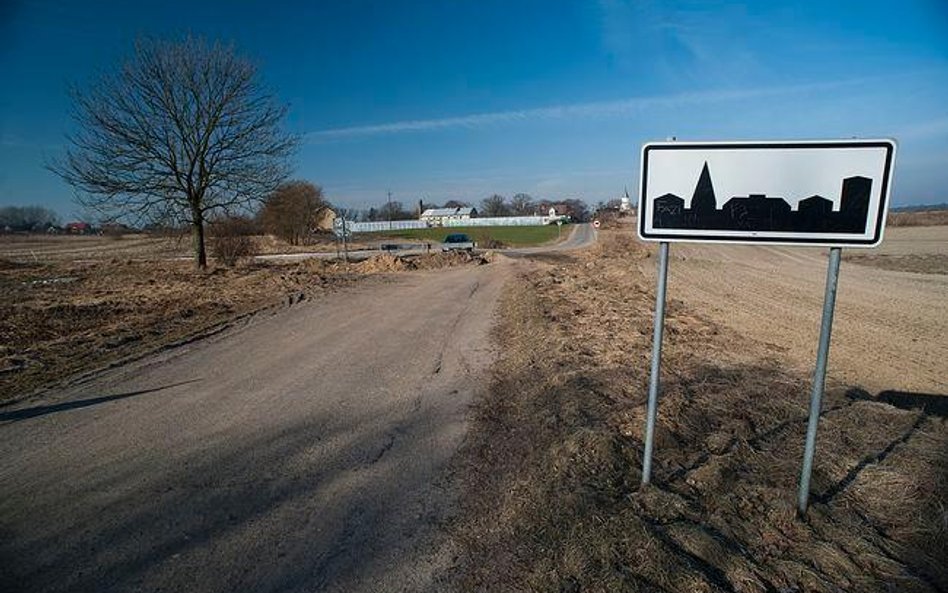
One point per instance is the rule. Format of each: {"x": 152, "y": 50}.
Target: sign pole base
{"x": 819, "y": 378}
{"x": 653, "y": 386}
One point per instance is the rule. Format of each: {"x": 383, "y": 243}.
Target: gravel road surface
{"x": 305, "y": 451}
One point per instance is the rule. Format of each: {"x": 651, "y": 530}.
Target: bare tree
{"x": 183, "y": 130}
{"x": 522, "y": 205}
{"x": 394, "y": 210}
{"x": 494, "y": 206}
{"x": 232, "y": 238}
{"x": 290, "y": 212}
{"x": 577, "y": 209}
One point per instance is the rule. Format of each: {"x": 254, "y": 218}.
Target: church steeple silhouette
{"x": 703, "y": 202}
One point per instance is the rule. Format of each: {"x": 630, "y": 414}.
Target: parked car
{"x": 457, "y": 242}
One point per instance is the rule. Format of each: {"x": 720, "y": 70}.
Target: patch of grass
{"x": 505, "y": 235}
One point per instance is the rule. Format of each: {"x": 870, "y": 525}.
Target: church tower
{"x": 703, "y": 202}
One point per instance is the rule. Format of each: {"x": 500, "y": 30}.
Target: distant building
{"x": 78, "y": 228}
{"x": 324, "y": 220}
{"x": 438, "y": 216}
{"x": 560, "y": 210}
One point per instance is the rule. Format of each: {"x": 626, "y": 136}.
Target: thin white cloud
{"x": 599, "y": 109}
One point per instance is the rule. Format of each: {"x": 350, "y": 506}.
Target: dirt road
{"x": 302, "y": 452}
{"x": 580, "y": 235}
{"x": 891, "y": 327}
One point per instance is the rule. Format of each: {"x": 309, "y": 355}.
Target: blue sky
{"x": 458, "y": 100}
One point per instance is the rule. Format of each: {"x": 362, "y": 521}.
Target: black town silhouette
{"x": 758, "y": 212}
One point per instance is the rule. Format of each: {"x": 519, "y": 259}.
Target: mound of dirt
{"x": 433, "y": 261}
{"x": 384, "y": 263}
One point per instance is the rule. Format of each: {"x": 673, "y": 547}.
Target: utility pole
{"x": 389, "y": 210}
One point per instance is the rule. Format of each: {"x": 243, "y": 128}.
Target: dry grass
{"x": 38, "y": 249}
{"x": 552, "y": 465}
{"x": 922, "y": 218}
{"x": 59, "y": 319}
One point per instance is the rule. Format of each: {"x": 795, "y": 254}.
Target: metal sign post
{"x": 653, "y": 385}
{"x": 345, "y": 240}
{"x": 819, "y": 378}
{"x": 341, "y": 230}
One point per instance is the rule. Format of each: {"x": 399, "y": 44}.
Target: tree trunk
{"x": 197, "y": 237}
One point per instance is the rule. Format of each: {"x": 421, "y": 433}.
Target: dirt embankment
{"x": 552, "y": 466}
{"x": 918, "y": 218}
{"x": 59, "y": 319}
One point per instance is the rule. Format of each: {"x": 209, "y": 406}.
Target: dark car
{"x": 457, "y": 241}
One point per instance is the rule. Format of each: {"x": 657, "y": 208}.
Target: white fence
{"x": 377, "y": 227}
{"x": 397, "y": 225}
{"x": 501, "y": 221}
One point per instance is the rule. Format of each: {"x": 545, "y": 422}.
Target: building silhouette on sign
{"x": 758, "y": 212}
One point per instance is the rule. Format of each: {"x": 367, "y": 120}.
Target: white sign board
{"x": 341, "y": 228}
{"x": 830, "y": 193}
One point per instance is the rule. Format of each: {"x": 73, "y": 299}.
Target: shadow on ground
{"x": 263, "y": 514}
{"x": 36, "y": 411}
{"x": 930, "y": 403}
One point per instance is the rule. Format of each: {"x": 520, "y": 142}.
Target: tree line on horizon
{"x": 27, "y": 218}
{"x": 521, "y": 204}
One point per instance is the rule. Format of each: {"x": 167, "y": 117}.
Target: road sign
{"x": 596, "y": 224}
{"x": 832, "y": 193}
{"x": 829, "y": 193}
{"x": 341, "y": 228}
